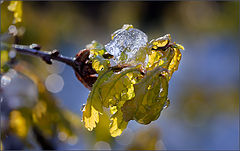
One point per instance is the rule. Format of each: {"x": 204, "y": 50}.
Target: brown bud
{"x": 87, "y": 75}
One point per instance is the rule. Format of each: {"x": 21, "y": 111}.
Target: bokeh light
{"x": 54, "y": 83}
{"x": 5, "y": 80}
{"x": 101, "y": 145}
{"x": 62, "y": 136}
{"x": 72, "y": 140}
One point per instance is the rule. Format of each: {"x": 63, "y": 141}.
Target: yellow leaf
{"x": 150, "y": 97}
{"x": 180, "y": 46}
{"x": 16, "y": 8}
{"x": 102, "y": 129}
{"x": 119, "y": 87}
{"x": 113, "y": 109}
{"x": 1, "y": 146}
{"x": 94, "y": 103}
{"x": 153, "y": 58}
{"x": 90, "y": 121}
{"x": 118, "y": 124}
{"x": 4, "y": 58}
{"x": 173, "y": 66}
{"x": 160, "y": 42}
{"x": 18, "y": 124}
{"x": 99, "y": 64}
{"x": 39, "y": 110}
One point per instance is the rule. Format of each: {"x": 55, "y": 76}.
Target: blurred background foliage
{"x": 40, "y": 103}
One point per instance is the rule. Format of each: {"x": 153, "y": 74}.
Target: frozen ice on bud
{"x": 126, "y": 45}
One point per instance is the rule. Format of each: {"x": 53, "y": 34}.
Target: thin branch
{"x": 34, "y": 50}
{"x": 46, "y": 56}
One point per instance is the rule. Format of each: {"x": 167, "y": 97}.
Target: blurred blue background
{"x": 204, "y": 92}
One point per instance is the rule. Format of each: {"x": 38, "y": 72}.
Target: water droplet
{"x": 82, "y": 108}
{"x": 167, "y": 103}
{"x": 72, "y": 140}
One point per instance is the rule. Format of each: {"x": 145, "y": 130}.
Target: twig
{"x": 46, "y": 56}
{"x": 34, "y": 50}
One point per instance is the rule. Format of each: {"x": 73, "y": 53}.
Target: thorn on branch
{"x": 35, "y": 46}
{"x": 55, "y": 53}
{"x": 47, "y": 59}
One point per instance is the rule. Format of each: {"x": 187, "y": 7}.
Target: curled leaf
{"x": 150, "y": 97}
{"x": 173, "y": 66}
{"x": 94, "y": 103}
{"x": 179, "y": 46}
{"x": 118, "y": 124}
{"x": 119, "y": 87}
